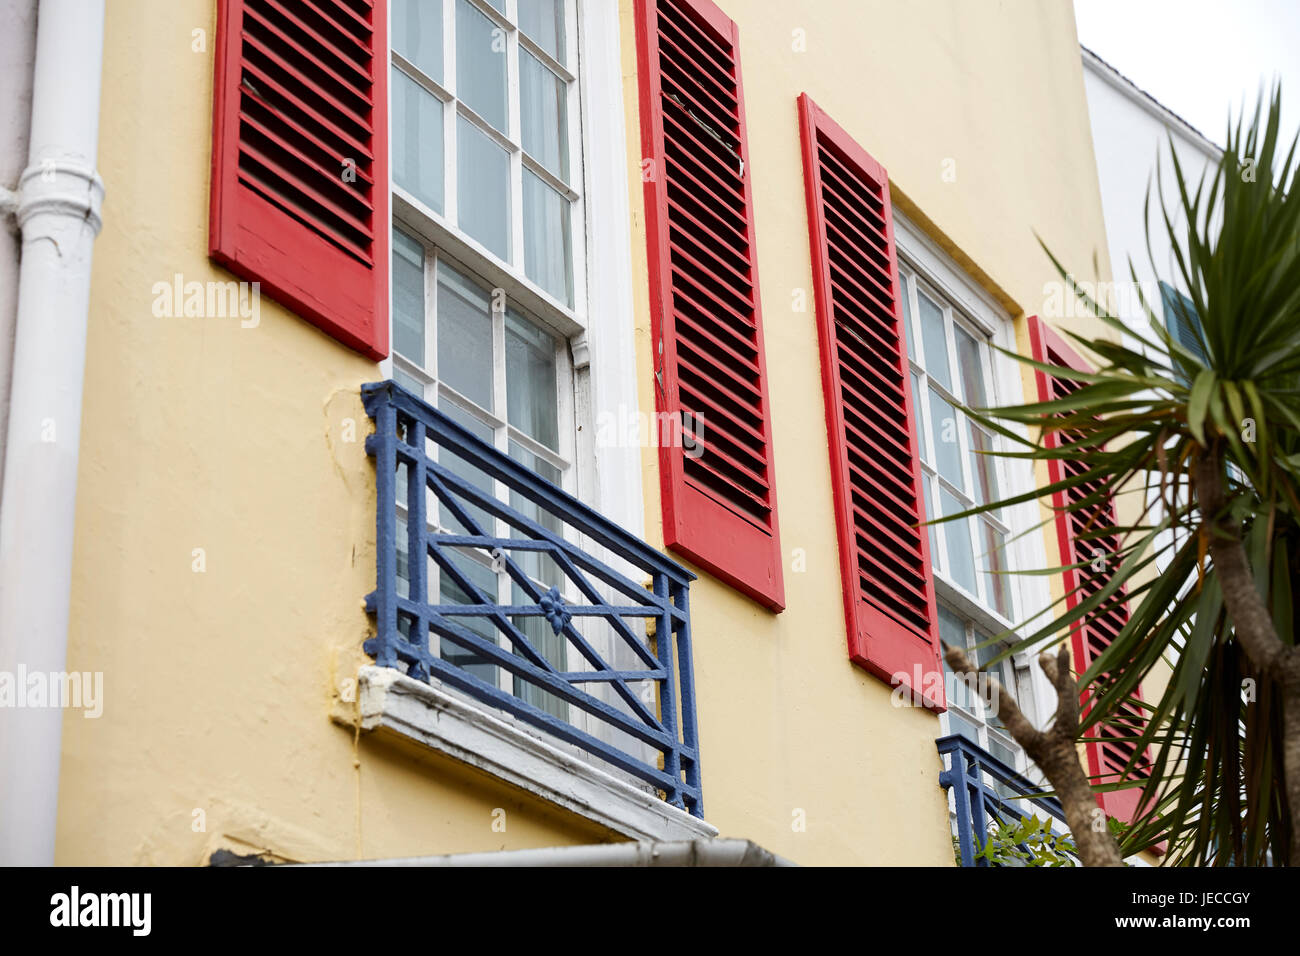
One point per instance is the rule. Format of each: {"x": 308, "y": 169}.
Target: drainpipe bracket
{"x": 61, "y": 189}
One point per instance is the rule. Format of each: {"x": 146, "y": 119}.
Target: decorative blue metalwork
{"x": 978, "y": 802}
{"x": 552, "y": 604}
{"x": 463, "y": 474}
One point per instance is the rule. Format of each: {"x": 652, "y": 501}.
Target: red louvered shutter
{"x": 720, "y": 498}
{"x": 1076, "y": 534}
{"x": 300, "y": 160}
{"x": 889, "y": 605}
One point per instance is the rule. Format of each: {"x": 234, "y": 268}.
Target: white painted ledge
{"x": 391, "y": 701}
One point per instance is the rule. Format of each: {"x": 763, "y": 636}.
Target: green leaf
{"x": 1199, "y": 402}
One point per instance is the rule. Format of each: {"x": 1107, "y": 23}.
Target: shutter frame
{"x": 1050, "y": 347}
{"x": 700, "y": 523}
{"x": 258, "y": 241}
{"x": 878, "y": 640}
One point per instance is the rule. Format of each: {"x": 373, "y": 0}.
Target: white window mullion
{"x": 450, "y": 200}
{"x": 577, "y": 157}
{"x": 433, "y": 579}
{"x": 514, "y": 125}
{"x": 501, "y": 439}
{"x": 430, "y": 357}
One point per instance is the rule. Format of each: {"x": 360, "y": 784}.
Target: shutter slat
{"x": 890, "y": 615}
{"x": 286, "y": 189}
{"x": 290, "y": 139}
{"x": 310, "y": 52}
{"x": 720, "y": 504}
{"x": 724, "y": 274}
{"x": 741, "y": 393}
{"x": 901, "y": 536}
{"x": 346, "y": 18}
{"x": 683, "y": 203}
{"x": 326, "y": 103}
{"x": 716, "y": 50}
{"x": 700, "y": 91}
{"x": 688, "y": 55}
{"x": 871, "y": 312}
{"x": 687, "y": 141}
{"x": 729, "y": 246}
{"x": 874, "y": 288}
{"x": 346, "y": 143}
{"x": 344, "y": 42}
{"x": 687, "y": 284}
{"x": 719, "y": 337}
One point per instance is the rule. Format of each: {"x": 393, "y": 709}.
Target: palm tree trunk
{"x": 1252, "y": 622}
{"x": 1055, "y": 751}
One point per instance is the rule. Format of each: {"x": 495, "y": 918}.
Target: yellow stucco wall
{"x": 200, "y": 434}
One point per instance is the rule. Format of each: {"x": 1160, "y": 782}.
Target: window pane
{"x": 905, "y": 299}
{"x": 483, "y": 188}
{"x": 543, "y": 570}
{"x": 543, "y": 115}
{"x": 417, "y": 34}
{"x": 543, "y": 21}
{"x": 996, "y": 580}
{"x": 481, "y": 64}
{"x": 408, "y": 381}
{"x": 485, "y": 580}
{"x": 530, "y": 381}
{"x": 547, "y": 255}
{"x": 982, "y": 464}
{"x": 972, "y": 370}
{"x": 934, "y": 340}
{"x": 408, "y": 297}
{"x": 986, "y": 653}
{"x": 473, "y": 476}
{"x": 1004, "y": 753}
{"x": 960, "y": 725}
{"x": 927, "y": 496}
{"x": 464, "y": 336}
{"x": 553, "y": 647}
{"x": 916, "y": 414}
{"x": 952, "y": 631}
{"x": 960, "y": 553}
{"x": 417, "y": 141}
{"x": 947, "y": 449}
{"x": 540, "y": 567}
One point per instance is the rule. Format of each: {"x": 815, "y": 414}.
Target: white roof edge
{"x": 1134, "y": 93}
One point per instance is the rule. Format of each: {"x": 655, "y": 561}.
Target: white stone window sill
{"x": 389, "y": 701}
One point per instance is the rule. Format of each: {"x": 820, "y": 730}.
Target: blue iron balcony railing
{"x": 985, "y": 790}
{"x": 528, "y": 600}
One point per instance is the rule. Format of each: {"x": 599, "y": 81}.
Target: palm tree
{"x": 1208, "y": 439}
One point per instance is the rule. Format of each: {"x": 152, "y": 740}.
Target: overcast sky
{"x": 1200, "y": 57}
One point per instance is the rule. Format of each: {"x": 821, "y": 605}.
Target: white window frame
{"x": 442, "y": 228}
{"x": 983, "y": 313}
{"x": 953, "y": 319}
{"x": 600, "y": 369}
{"x": 603, "y": 357}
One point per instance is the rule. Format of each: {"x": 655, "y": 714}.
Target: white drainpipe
{"x": 59, "y": 198}
{"x": 714, "y": 852}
